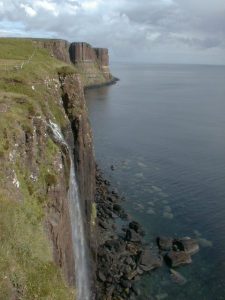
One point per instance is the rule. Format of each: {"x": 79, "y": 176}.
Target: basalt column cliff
{"x": 91, "y": 61}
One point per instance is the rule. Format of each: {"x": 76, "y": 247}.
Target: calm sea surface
{"x": 163, "y": 128}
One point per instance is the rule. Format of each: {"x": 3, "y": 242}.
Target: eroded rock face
{"x": 83, "y": 53}
{"x": 57, "y": 211}
{"x": 57, "y": 48}
{"x": 103, "y": 56}
{"x": 59, "y": 226}
{"x": 75, "y": 107}
{"x": 30, "y": 149}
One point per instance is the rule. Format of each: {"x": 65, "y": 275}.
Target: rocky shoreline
{"x": 122, "y": 255}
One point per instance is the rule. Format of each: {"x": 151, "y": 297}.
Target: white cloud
{"x": 152, "y": 36}
{"x": 49, "y": 6}
{"x": 90, "y": 5}
{"x": 29, "y": 10}
{"x": 70, "y": 8}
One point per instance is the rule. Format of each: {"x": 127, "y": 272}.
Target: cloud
{"x": 150, "y": 30}
{"x": 49, "y": 6}
{"x": 29, "y": 10}
{"x": 90, "y": 5}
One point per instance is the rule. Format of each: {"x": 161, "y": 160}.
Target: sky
{"x": 150, "y": 31}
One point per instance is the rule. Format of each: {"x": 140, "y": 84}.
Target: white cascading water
{"x": 79, "y": 244}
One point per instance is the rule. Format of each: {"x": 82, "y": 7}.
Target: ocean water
{"x": 163, "y": 128}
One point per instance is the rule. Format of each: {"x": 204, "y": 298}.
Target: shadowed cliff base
{"x": 114, "y": 80}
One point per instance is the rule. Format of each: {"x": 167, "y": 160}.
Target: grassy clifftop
{"x": 29, "y": 169}
{"x": 27, "y": 69}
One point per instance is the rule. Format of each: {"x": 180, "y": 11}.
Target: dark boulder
{"x": 117, "y": 208}
{"x": 125, "y": 283}
{"x": 129, "y": 261}
{"x": 115, "y": 245}
{"x": 149, "y": 261}
{"x": 136, "y": 227}
{"x": 104, "y": 225}
{"x": 132, "y": 236}
{"x": 124, "y": 216}
{"x": 186, "y": 244}
{"x": 164, "y": 243}
{"x": 133, "y": 248}
{"x": 101, "y": 276}
{"x": 177, "y": 258}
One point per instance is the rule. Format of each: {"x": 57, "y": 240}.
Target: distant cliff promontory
{"x": 92, "y": 63}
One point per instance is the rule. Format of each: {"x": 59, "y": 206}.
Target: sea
{"x": 162, "y": 127}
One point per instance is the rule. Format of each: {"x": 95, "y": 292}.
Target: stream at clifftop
{"x": 162, "y": 127}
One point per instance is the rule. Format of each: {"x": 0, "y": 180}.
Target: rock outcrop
{"x": 83, "y": 53}
{"x": 177, "y": 251}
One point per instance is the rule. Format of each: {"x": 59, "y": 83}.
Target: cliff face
{"x": 57, "y": 48}
{"x": 91, "y": 59}
{"x": 35, "y": 222}
{"x": 92, "y": 64}
{"x": 103, "y": 58}
{"x": 75, "y": 108}
{"x": 35, "y": 170}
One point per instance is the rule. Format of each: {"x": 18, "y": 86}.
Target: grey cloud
{"x": 130, "y": 28}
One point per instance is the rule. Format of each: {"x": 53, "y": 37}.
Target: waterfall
{"x": 78, "y": 236}
{"x": 78, "y": 239}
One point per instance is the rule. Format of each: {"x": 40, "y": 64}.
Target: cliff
{"x": 91, "y": 61}
{"x": 40, "y": 82}
{"x": 92, "y": 64}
